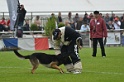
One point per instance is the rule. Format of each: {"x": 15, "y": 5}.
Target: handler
{"x": 66, "y": 43}
{"x": 98, "y": 31}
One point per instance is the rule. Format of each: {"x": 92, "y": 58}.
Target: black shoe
{"x": 93, "y": 56}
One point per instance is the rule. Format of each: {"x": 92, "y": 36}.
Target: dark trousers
{"x": 2, "y": 27}
{"x": 95, "y": 42}
{"x": 69, "y": 54}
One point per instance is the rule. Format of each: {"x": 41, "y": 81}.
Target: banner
{"x": 12, "y": 7}
{"x": 122, "y": 39}
{"x": 25, "y": 43}
{"x": 113, "y": 38}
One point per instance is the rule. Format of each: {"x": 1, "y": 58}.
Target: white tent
{"x": 67, "y": 5}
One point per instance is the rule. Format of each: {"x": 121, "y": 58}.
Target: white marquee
{"x": 67, "y": 5}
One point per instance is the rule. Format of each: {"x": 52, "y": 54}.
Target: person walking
{"x": 98, "y": 31}
{"x": 66, "y": 43}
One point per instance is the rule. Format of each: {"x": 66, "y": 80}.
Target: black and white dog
{"x": 48, "y": 60}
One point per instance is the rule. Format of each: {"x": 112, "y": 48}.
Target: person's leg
{"x": 94, "y": 47}
{"x": 74, "y": 55}
{"x": 2, "y": 27}
{"x": 66, "y": 59}
{"x": 102, "y": 46}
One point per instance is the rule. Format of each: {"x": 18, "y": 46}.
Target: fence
{"x": 115, "y": 37}
{"x": 45, "y": 14}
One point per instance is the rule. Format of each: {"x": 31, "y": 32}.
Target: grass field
{"x": 98, "y": 69}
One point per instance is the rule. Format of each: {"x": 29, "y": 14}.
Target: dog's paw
{"x": 61, "y": 71}
{"x": 32, "y": 72}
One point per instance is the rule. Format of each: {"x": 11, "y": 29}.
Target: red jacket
{"x": 3, "y": 22}
{"x": 8, "y": 23}
{"x": 98, "y": 29}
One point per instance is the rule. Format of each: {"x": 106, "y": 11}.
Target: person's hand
{"x": 79, "y": 42}
{"x": 91, "y": 39}
{"x": 80, "y": 47}
{"x": 113, "y": 28}
{"x": 105, "y": 40}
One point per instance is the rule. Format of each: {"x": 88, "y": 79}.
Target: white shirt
{"x": 116, "y": 26}
{"x": 84, "y": 28}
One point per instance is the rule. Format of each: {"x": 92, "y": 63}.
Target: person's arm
{"x": 118, "y": 23}
{"x": 104, "y": 32}
{"x": 90, "y": 30}
{"x": 105, "y": 40}
{"x": 104, "y": 29}
{"x": 79, "y": 42}
{"x": 81, "y": 29}
{"x": 25, "y": 11}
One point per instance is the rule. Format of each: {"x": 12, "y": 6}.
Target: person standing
{"x": 59, "y": 19}
{"x": 79, "y": 23}
{"x": 66, "y": 43}
{"x": 98, "y": 31}
{"x": 21, "y": 14}
{"x": 116, "y": 23}
{"x": 69, "y": 21}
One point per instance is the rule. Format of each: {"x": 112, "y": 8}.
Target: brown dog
{"x": 48, "y": 60}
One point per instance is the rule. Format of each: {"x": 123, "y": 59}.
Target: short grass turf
{"x": 95, "y": 69}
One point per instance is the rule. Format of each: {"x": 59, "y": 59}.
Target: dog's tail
{"x": 21, "y": 56}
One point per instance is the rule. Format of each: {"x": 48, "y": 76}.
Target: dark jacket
{"x": 79, "y": 24}
{"x": 68, "y": 35}
{"x": 22, "y": 14}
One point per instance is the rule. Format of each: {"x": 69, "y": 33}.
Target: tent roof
{"x": 67, "y": 5}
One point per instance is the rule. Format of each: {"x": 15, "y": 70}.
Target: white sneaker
{"x": 76, "y": 72}
{"x": 103, "y": 56}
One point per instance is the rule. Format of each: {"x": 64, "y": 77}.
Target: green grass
{"x": 98, "y": 69}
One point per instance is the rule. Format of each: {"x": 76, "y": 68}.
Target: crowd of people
{"x": 80, "y": 23}
{"x": 77, "y": 22}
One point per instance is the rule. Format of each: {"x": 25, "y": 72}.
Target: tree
{"x": 50, "y": 26}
